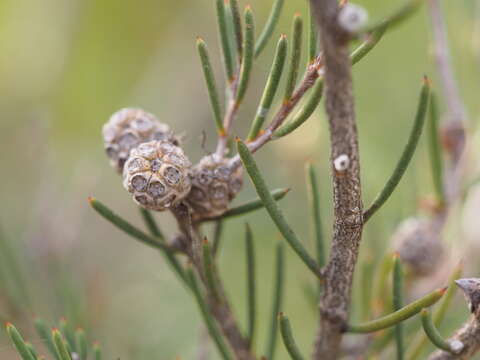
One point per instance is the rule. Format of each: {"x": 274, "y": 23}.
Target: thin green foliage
{"x": 295, "y": 55}
{"x": 407, "y": 153}
{"x": 277, "y": 303}
{"x": 269, "y": 27}
{"x": 287, "y": 336}
{"x": 400, "y": 315}
{"x": 433, "y": 333}
{"x": 270, "y": 88}
{"x": 273, "y": 209}
{"x": 251, "y": 284}
{"x": 397, "y": 305}
{"x": 247, "y": 57}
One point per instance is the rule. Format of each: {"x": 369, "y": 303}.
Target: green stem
{"x": 407, "y": 154}
{"x": 270, "y": 88}
{"x": 294, "y": 56}
{"x": 273, "y": 209}
{"x": 288, "y": 340}
{"x": 394, "y": 318}
{"x": 432, "y": 332}
{"x": 211, "y": 85}
{"x": 247, "y": 57}
{"x": 269, "y": 26}
{"x": 277, "y": 303}
{"x": 251, "y": 287}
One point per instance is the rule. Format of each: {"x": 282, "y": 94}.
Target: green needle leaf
{"x": 97, "y": 351}
{"x": 209, "y": 268}
{"x": 209, "y": 322}
{"x": 314, "y": 197}
{"x": 407, "y": 154}
{"x": 224, "y": 39}
{"x": 273, "y": 209}
{"x": 432, "y": 332}
{"x": 251, "y": 287}
{"x": 304, "y": 113}
{"x": 269, "y": 26}
{"x": 252, "y": 205}
{"x": 46, "y": 336}
{"x": 60, "y": 345}
{"x": 32, "y": 350}
{"x": 151, "y": 224}
{"x": 126, "y": 226}
{"x": 19, "y": 343}
{"x": 365, "y": 47}
{"x": 397, "y": 304}
{"x": 270, "y": 88}
{"x": 237, "y": 26}
{"x": 211, "y": 85}
{"x": 82, "y": 346}
{"x": 288, "y": 340}
{"x": 435, "y": 150}
{"x": 421, "y": 341}
{"x": 157, "y": 243}
{"x": 217, "y": 236}
{"x": 277, "y": 302}
{"x": 397, "y": 17}
{"x": 294, "y": 56}
{"x": 247, "y": 58}
{"x": 66, "y": 330}
{"x": 312, "y": 36}
{"x": 394, "y": 318}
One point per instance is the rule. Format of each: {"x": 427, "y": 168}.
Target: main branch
{"x": 347, "y": 232}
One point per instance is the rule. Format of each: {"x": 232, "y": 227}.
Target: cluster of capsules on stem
{"x": 158, "y": 173}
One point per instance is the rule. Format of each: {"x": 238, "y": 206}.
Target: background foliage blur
{"x": 67, "y": 65}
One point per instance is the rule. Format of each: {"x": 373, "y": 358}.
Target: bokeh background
{"x": 66, "y": 65}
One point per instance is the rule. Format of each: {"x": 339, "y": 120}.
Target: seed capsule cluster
{"x": 129, "y": 127}
{"x": 418, "y": 245}
{"x": 214, "y": 185}
{"x": 157, "y": 174}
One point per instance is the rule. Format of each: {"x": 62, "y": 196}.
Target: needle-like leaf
{"x": 273, "y": 209}
{"x": 269, "y": 26}
{"x": 251, "y": 287}
{"x": 247, "y": 57}
{"x": 270, "y": 88}
{"x": 295, "y": 55}
{"x": 211, "y": 84}
{"x": 394, "y": 318}
{"x": 407, "y": 154}
{"x": 287, "y": 336}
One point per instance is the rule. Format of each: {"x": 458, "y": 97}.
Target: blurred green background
{"x": 67, "y": 65}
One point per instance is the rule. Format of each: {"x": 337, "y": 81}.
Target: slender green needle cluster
{"x": 247, "y": 57}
